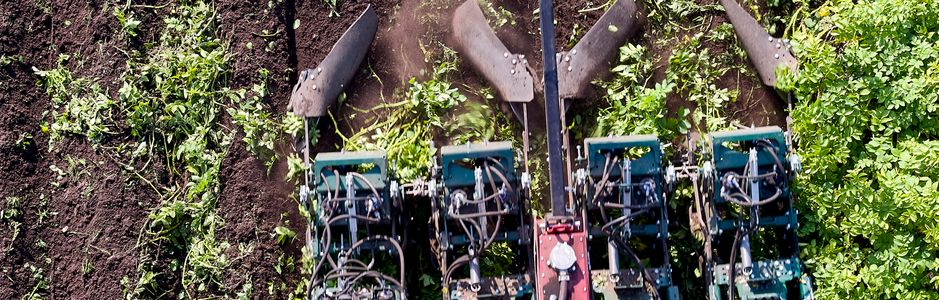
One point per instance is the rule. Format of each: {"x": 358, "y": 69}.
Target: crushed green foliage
{"x": 498, "y": 16}
{"x": 261, "y": 129}
{"x": 411, "y": 124}
{"x": 172, "y": 98}
{"x": 170, "y": 110}
{"x": 79, "y": 106}
{"x": 694, "y": 72}
{"x": 633, "y": 107}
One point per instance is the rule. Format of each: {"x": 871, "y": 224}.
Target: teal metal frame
{"x": 458, "y": 165}
{"x": 770, "y": 278}
{"x": 329, "y": 176}
{"x": 628, "y": 283}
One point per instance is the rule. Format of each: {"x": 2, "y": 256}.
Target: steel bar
{"x": 552, "y": 111}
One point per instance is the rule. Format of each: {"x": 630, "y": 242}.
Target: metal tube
{"x": 745, "y": 259}
{"x": 552, "y": 111}
{"x": 475, "y": 272}
{"x": 481, "y": 205}
{"x": 351, "y": 209}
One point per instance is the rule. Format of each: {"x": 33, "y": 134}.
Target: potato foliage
{"x": 867, "y": 126}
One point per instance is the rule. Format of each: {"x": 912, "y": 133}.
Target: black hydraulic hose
{"x": 749, "y": 202}
{"x": 367, "y": 183}
{"x": 358, "y": 274}
{"x": 455, "y": 264}
{"x": 731, "y": 268}
{"x": 486, "y": 199}
{"x": 373, "y": 274}
{"x": 606, "y": 177}
{"x": 466, "y": 258}
{"x": 338, "y": 183}
{"x": 497, "y": 162}
{"x": 760, "y": 176}
{"x": 637, "y": 206}
{"x": 731, "y": 197}
{"x": 391, "y": 241}
{"x": 772, "y": 151}
{"x": 344, "y": 272}
{"x": 621, "y": 244}
{"x": 501, "y": 177}
{"x": 624, "y": 219}
{"x": 492, "y": 182}
{"x": 477, "y": 215}
{"x": 328, "y": 237}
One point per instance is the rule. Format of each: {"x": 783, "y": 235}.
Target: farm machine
{"x": 607, "y": 194}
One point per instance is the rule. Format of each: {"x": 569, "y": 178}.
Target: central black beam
{"x": 552, "y": 111}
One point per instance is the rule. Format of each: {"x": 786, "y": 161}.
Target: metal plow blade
{"x": 317, "y": 89}
{"x": 506, "y": 72}
{"x": 764, "y": 51}
{"x": 592, "y": 54}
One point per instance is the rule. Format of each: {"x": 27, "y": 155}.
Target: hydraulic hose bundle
{"x": 355, "y": 227}
{"x": 749, "y": 191}
{"x": 478, "y": 200}
{"x": 622, "y": 183}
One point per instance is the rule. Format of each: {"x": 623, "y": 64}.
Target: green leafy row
{"x": 169, "y": 110}
{"x": 867, "y": 126}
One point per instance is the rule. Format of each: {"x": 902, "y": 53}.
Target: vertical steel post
{"x": 352, "y": 209}
{"x": 552, "y": 111}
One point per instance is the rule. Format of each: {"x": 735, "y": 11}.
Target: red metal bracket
{"x": 546, "y": 277}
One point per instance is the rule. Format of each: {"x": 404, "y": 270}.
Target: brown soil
{"x": 79, "y": 230}
{"x": 86, "y": 242}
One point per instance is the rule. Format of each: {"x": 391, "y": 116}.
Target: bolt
{"x": 505, "y": 54}
{"x": 776, "y": 56}
{"x": 515, "y": 61}
{"x": 513, "y": 71}
{"x": 770, "y": 39}
{"x": 569, "y": 68}
{"x": 567, "y": 58}
{"x": 574, "y": 52}
{"x": 522, "y": 56}
{"x": 314, "y": 87}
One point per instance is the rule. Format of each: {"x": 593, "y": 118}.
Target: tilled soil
{"x": 80, "y": 229}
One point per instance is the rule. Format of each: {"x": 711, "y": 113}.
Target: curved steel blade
{"x": 592, "y": 54}
{"x": 506, "y": 72}
{"x": 765, "y": 52}
{"x": 318, "y": 88}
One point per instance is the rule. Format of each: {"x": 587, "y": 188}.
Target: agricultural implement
{"x": 611, "y": 195}
{"x": 481, "y": 201}
{"x": 356, "y": 215}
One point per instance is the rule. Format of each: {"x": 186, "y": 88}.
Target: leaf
{"x": 296, "y": 24}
